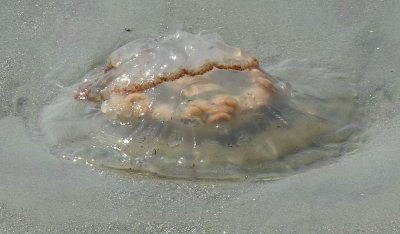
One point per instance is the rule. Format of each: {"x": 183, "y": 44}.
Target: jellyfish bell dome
{"x": 191, "y": 106}
{"x": 182, "y": 77}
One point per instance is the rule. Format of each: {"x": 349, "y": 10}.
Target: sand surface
{"x": 48, "y": 45}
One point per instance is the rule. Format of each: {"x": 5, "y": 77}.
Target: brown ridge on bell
{"x": 84, "y": 92}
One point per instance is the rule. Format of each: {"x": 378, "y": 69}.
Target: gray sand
{"x": 47, "y": 45}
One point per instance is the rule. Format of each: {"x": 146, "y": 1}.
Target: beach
{"x": 47, "y": 46}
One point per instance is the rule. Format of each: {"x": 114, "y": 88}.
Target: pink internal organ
{"x": 222, "y": 107}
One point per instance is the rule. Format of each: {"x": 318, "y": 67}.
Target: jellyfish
{"x": 191, "y": 106}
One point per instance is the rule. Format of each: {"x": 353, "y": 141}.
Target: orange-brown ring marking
{"x": 84, "y": 92}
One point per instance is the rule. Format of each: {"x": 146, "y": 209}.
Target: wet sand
{"x": 48, "y": 45}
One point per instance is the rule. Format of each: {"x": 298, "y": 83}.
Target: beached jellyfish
{"x": 191, "y": 106}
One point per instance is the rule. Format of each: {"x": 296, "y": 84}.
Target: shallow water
{"x": 41, "y": 193}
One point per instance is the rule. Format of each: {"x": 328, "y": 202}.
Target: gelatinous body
{"x": 191, "y": 106}
{"x": 183, "y": 76}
